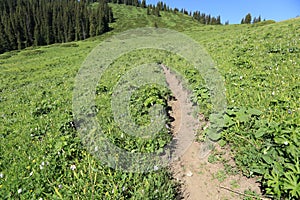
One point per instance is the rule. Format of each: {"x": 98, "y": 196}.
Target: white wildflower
{"x": 156, "y": 168}
{"x": 286, "y": 143}
{"x": 1, "y": 175}
{"x": 31, "y": 173}
{"x": 73, "y": 167}
{"x": 19, "y": 191}
{"x": 42, "y": 165}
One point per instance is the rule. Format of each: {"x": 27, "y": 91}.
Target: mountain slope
{"x": 39, "y": 147}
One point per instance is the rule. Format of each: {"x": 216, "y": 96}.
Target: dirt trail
{"x": 200, "y": 179}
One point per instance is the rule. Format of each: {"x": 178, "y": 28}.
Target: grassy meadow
{"x": 42, "y": 157}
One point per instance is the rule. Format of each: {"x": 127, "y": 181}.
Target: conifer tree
{"x": 136, "y": 3}
{"x": 4, "y": 45}
{"x": 218, "y": 21}
{"x": 248, "y": 19}
{"x": 111, "y": 15}
{"x": 144, "y": 5}
{"x": 259, "y": 19}
{"x": 254, "y": 20}
{"x": 157, "y": 12}
{"x": 165, "y": 7}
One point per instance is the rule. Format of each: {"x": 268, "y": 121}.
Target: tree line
{"x": 24, "y": 23}
{"x": 207, "y": 19}
{"x": 161, "y": 6}
{"x": 248, "y": 19}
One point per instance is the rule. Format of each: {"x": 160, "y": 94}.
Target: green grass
{"x": 38, "y": 145}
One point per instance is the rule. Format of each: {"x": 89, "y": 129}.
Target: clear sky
{"x": 235, "y": 10}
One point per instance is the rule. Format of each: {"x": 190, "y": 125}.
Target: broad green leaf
{"x": 213, "y": 135}
{"x": 268, "y": 159}
{"x": 228, "y": 121}
{"x": 242, "y": 117}
{"x": 253, "y": 111}
{"x": 260, "y": 132}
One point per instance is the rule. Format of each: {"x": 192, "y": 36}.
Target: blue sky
{"x": 235, "y": 10}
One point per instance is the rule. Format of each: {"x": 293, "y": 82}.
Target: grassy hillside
{"x": 39, "y": 146}
{"x": 261, "y": 70}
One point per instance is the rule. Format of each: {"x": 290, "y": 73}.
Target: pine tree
{"x": 248, "y": 19}
{"x": 153, "y": 10}
{"x": 144, "y": 5}
{"x": 208, "y": 19}
{"x": 156, "y": 12}
{"x": 213, "y": 21}
{"x": 11, "y": 35}
{"x": 4, "y": 45}
{"x": 254, "y": 20}
{"x": 93, "y": 26}
{"x": 202, "y": 18}
{"x": 259, "y": 19}
{"x": 218, "y": 22}
{"x": 111, "y": 15}
{"x": 160, "y": 6}
{"x": 37, "y": 35}
{"x": 136, "y": 3}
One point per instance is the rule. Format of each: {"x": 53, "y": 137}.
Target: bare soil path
{"x": 201, "y": 180}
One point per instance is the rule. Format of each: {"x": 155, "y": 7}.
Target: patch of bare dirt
{"x": 202, "y": 180}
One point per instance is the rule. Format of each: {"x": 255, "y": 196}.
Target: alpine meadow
{"x": 42, "y": 155}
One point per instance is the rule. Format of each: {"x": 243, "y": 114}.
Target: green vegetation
{"x": 261, "y": 70}
{"x": 41, "y": 155}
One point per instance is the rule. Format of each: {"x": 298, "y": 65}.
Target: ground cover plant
{"x": 262, "y": 119}
{"x": 41, "y": 155}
